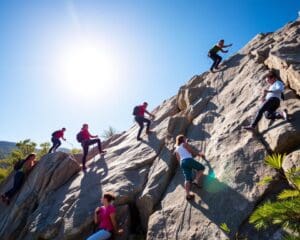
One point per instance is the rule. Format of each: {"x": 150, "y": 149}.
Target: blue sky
{"x": 65, "y": 63}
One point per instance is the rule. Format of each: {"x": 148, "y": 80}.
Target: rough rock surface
{"x": 57, "y": 200}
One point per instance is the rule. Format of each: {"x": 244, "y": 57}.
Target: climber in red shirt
{"x": 139, "y": 112}
{"x": 56, "y": 139}
{"x": 86, "y": 141}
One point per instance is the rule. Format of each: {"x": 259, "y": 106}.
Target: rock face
{"x": 57, "y": 200}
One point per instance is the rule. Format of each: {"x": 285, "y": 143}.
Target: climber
{"x": 184, "y": 153}
{"x": 214, "y": 56}
{"x": 105, "y": 218}
{"x": 271, "y": 101}
{"x": 139, "y": 112}
{"x": 84, "y": 137}
{"x": 56, "y": 139}
{"x": 23, "y": 169}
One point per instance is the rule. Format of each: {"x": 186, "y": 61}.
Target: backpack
{"x": 54, "y": 133}
{"x": 19, "y": 164}
{"x": 136, "y": 110}
{"x": 79, "y": 137}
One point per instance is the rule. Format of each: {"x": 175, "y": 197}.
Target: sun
{"x": 87, "y": 70}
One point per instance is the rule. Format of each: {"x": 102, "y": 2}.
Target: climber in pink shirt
{"x": 105, "y": 218}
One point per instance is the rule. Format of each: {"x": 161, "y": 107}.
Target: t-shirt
{"x": 59, "y": 134}
{"x": 104, "y": 217}
{"x": 142, "y": 110}
{"x": 85, "y": 134}
{"x": 183, "y": 152}
{"x": 278, "y": 88}
{"x": 215, "y": 49}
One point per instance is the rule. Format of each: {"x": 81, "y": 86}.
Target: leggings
{"x": 55, "y": 144}
{"x": 85, "y": 146}
{"x": 140, "y": 120}
{"x": 269, "y": 108}
{"x": 216, "y": 58}
{"x": 100, "y": 235}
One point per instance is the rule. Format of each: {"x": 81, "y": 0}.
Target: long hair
{"x": 30, "y": 155}
{"x": 180, "y": 139}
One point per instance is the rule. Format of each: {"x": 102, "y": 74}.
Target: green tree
{"x": 109, "y": 132}
{"x": 44, "y": 149}
{"x": 23, "y": 149}
{"x": 75, "y": 151}
{"x": 285, "y": 211}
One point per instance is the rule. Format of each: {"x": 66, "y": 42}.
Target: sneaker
{"x": 249, "y": 128}
{"x": 139, "y": 139}
{"x": 149, "y": 132}
{"x": 284, "y": 114}
{"x": 102, "y": 152}
{"x": 190, "y": 197}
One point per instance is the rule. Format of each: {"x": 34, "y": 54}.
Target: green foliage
{"x": 286, "y": 210}
{"x": 265, "y": 181}
{"x": 44, "y": 149}
{"x": 75, "y": 151}
{"x": 288, "y": 194}
{"x": 24, "y": 148}
{"x": 225, "y": 228}
{"x": 109, "y": 132}
{"x": 275, "y": 161}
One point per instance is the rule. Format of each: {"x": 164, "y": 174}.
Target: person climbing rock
{"x": 271, "y": 101}
{"x": 105, "y": 218}
{"x": 85, "y": 138}
{"x": 184, "y": 153}
{"x": 22, "y": 169}
{"x": 139, "y": 112}
{"x": 214, "y": 56}
{"x": 56, "y": 139}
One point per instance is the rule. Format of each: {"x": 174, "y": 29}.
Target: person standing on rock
{"x": 105, "y": 218}
{"x": 22, "y": 168}
{"x": 271, "y": 101}
{"x": 184, "y": 153}
{"x": 85, "y": 138}
{"x": 139, "y": 112}
{"x": 56, "y": 139}
{"x": 214, "y": 56}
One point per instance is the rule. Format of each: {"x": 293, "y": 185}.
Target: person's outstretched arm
{"x": 96, "y": 215}
{"x": 192, "y": 151}
{"x": 150, "y": 114}
{"x": 226, "y": 46}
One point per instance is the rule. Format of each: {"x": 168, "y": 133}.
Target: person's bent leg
{"x": 200, "y": 168}
{"x": 18, "y": 181}
{"x": 214, "y": 58}
{"x": 85, "y": 147}
{"x": 148, "y": 122}
{"x": 188, "y": 176}
{"x": 100, "y": 235}
{"x": 141, "y": 124}
{"x": 219, "y": 59}
{"x": 53, "y": 145}
{"x": 265, "y": 107}
{"x": 57, "y": 144}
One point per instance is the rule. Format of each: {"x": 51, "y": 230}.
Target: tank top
{"x": 183, "y": 152}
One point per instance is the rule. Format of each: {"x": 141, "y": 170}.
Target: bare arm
{"x": 192, "y": 151}
{"x": 177, "y": 156}
{"x": 96, "y": 215}
{"x": 150, "y": 114}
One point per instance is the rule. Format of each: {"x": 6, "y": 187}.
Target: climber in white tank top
{"x": 184, "y": 153}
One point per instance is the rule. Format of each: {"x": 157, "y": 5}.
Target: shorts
{"x": 187, "y": 165}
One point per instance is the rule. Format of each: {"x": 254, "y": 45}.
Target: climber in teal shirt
{"x": 214, "y": 56}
